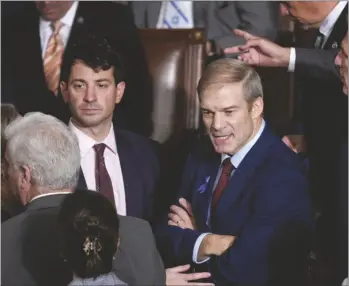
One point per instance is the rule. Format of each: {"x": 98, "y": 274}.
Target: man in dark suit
{"x": 30, "y": 250}
{"x": 323, "y": 110}
{"x": 120, "y": 164}
{"x": 26, "y": 79}
{"x": 244, "y": 207}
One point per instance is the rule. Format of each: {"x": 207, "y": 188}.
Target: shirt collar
{"x": 49, "y": 194}
{"x": 67, "y": 20}
{"x": 237, "y": 158}
{"x": 327, "y": 25}
{"x": 86, "y": 142}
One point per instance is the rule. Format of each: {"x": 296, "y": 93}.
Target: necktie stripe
{"x": 52, "y": 58}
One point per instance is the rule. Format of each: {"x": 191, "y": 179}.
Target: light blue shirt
{"x": 236, "y": 159}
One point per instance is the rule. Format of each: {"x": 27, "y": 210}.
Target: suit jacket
{"x": 265, "y": 205}
{"x": 30, "y": 251}
{"x": 219, "y": 18}
{"x": 323, "y": 109}
{"x": 22, "y": 69}
{"x": 138, "y": 263}
{"x": 140, "y": 171}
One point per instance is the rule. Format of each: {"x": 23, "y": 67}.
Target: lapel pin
{"x": 335, "y": 45}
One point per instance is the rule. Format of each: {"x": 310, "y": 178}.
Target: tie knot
{"x": 56, "y": 26}
{"x": 99, "y": 148}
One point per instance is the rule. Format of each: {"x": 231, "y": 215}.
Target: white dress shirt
{"x": 64, "y": 32}
{"x": 112, "y": 163}
{"x": 236, "y": 159}
{"x": 326, "y": 28}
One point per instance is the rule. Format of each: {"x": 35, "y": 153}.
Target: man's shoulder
{"x": 136, "y": 141}
{"x": 133, "y": 223}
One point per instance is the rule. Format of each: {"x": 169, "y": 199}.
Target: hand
{"x": 260, "y": 52}
{"x": 295, "y": 142}
{"x": 174, "y": 276}
{"x": 215, "y": 244}
{"x": 182, "y": 216}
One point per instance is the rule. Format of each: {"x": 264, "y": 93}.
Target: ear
{"x": 25, "y": 178}
{"x": 257, "y": 107}
{"x": 120, "y": 89}
{"x": 64, "y": 89}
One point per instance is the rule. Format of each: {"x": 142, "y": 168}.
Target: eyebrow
{"x": 222, "y": 109}
{"x": 98, "y": 80}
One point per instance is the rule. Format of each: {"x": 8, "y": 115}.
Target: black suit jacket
{"x": 323, "y": 109}
{"x": 23, "y": 80}
{"x": 140, "y": 170}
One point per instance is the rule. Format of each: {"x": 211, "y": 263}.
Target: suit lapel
{"x": 245, "y": 171}
{"x": 339, "y": 31}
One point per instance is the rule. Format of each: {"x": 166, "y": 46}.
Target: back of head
{"x": 47, "y": 147}
{"x": 96, "y": 53}
{"x": 89, "y": 229}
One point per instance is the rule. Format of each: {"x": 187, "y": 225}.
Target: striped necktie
{"x": 53, "y": 58}
{"x": 178, "y": 15}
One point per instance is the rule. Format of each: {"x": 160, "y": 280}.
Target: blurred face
{"x": 92, "y": 95}
{"x": 342, "y": 62}
{"x": 53, "y": 10}
{"x": 306, "y": 12}
{"x": 229, "y": 120}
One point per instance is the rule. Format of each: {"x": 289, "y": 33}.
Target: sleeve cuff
{"x": 292, "y": 61}
{"x": 196, "y": 249}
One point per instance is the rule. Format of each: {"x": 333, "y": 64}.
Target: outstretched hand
{"x": 175, "y": 276}
{"x": 259, "y": 51}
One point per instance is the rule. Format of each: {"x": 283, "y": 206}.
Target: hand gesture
{"x": 174, "y": 276}
{"x": 260, "y": 51}
{"x": 182, "y": 216}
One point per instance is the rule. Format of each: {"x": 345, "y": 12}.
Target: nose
{"x": 217, "y": 122}
{"x": 90, "y": 95}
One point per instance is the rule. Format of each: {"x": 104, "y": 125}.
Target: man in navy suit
{"x": 244, "y": 208}
{"x": 126, "y": 169}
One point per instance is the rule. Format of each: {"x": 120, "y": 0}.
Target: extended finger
{"x": 170, "y": 222}
{"x": 178, "y": 269}
{"x": 196, "y": 276}
{"x": 245, "y": 35}
{"x": 199, "y": 284}
{"x": 231, "y": 50}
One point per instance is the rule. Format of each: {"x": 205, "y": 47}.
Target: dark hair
{"x": 89, "y": 230}
{"x": 96, "y": 53}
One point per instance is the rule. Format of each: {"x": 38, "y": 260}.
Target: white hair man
{"x": 43, "y": 163}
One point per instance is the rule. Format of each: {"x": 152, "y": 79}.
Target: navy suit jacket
{"x": 140, "y": 171}
{"x": 265, "y": 204}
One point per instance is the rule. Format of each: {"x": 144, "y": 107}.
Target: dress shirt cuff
{"x": 292, "y": 61}
{"x": 196, "y": 249}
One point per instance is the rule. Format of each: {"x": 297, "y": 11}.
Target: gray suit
{"x": 30, "y": 252}
{"x": 137, "y": 260}
{"x": 219, "y": 18}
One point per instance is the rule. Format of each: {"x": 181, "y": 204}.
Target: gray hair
{"x": 226, "y": 71}
{"x": 47, "y": 147}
